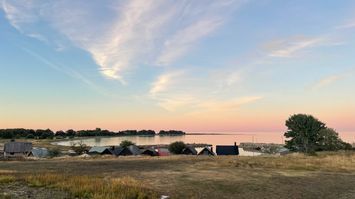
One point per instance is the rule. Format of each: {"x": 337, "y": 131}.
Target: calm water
{"x": 215, "y": 139}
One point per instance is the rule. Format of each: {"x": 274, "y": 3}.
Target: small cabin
{"x": 39, "y": 152}
{"x": 163, "y": 152}
{"x": 227, "y": 149}
{"x": 121, "y": 151}
{"x": 17, "y": 149}
{"x": 149, "y": 152}
{"x": 189, "y": 150}
{"x": 207, "y": 151}
{"x": 99, "y": 150}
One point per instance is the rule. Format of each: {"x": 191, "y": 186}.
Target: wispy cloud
{"x": 185, "y": 39}
{"x": 346, "y": 26}
{"x": 328, "y": 80}
{"x": 130, "y": 33}
{"x": 290, "y": 47}
{"x": 178, "y": 91}
{"x": 163, "y": 81}
{"x": 233, "y": 104}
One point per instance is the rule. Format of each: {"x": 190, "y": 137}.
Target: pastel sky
{"x": 202, "y": 65}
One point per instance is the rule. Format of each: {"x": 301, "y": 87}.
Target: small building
{"x": 207, "y": 151}
{"x": 227, "y": 149}
{"x": 39, "y": 152}
{"x": 163, "y": 152}
{"x": 100, "y": 150}
{"x": 189, "y": 150}
{"x": 134, "y": 150}
{"x": 149, "y": 152}
{"x": 17, "y": 149}
{"x": 125, "y": 151}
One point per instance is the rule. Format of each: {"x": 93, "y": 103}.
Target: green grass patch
{"x": 6, "y": 179}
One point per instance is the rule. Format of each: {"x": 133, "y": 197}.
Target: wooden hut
{"x": 189, "y": 150}
{"x": 149, "y": 152}
{"x": 17, "y": 149}
{"x": 206, "y": 151}
{"x": 227, "y": 149}
{"x": 100, "y": 150}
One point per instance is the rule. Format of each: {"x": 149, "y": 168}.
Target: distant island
{"x": 49, "y": 134}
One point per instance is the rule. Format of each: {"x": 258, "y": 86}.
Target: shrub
{"x": 126, "y": 143}
{"x": 54, "y": 152}
{"x": 79, "y": 147}
{"x": 177, "y": 147}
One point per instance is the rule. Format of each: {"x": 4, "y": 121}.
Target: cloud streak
{"x": 290, "y": 47}
{"x": 131, "y": 33}
{"x": 331, "y": 79}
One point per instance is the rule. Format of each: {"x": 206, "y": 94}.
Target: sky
{"x": 204, "y": 65}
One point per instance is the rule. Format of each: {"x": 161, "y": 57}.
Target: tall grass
{"x": 6, "y": 179}
{"x": 326, "y": 161}
{"x": 92, "y": 187}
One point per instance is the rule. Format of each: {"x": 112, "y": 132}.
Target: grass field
{"x": 327, "y": 175}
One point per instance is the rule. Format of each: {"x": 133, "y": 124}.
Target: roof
{"x": 148, "y": 151}
{"x": 121, "y": 151}
{"x": 163, "y": 152}
{"x": 18, "y": 147}
{"x": 134, "y": 149}
{"x": 189, "y": 150}
{"x": 227, "y": 150}
{"x": 206, "y": 151}
{"x": 98, "y": 149}
{"x": 39, "y": 152}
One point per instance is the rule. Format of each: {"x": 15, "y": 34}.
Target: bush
{"x": 177, "y": 147}
{"x": 54, "y": 152}
{"x": 79, "y": 148}
{"x": 126, "y": 143}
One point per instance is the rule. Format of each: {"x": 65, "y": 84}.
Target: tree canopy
{"x": 126, "y": 143}
{"x": 177, "y": 147}
{"x": 308, "y": 134}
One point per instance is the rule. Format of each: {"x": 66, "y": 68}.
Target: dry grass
{"x": 332, "y": 162}
{"x": 93, "y": 187}
{"x": 327, "y": 175}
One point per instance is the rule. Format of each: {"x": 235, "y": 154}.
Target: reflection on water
{"x": 215, "y": 139}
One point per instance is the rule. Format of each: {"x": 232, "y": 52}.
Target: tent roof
{"x": 18, "y": 147}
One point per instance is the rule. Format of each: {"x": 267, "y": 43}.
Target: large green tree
{"x": 303, "y": 131}
{"x": 328, "y": 140}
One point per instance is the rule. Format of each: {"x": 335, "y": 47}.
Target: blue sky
{"x": 196, "y": 65}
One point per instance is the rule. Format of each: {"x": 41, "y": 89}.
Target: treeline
{"x": 49, "y": 134}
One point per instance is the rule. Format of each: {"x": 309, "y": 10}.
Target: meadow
{"x": 326, "y": 175}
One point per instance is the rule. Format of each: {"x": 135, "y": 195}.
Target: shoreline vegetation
{"x": 49, "y": 134}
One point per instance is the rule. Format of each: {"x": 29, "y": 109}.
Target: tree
{"x": 126, "y": 143}
{"x": 79, "y": 147}
{"x": 60, "y": 134}
{"x": 177, "y": 147}
{"x": 304, "y": 132}
{"x": 328, "y": 140}
{"x": 71, "y": 133}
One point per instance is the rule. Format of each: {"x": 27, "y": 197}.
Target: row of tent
{"x": 25, "y": 149}
{"x": 135, "y": 150}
